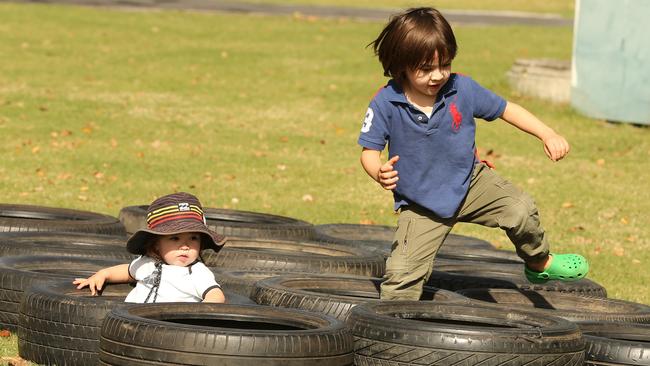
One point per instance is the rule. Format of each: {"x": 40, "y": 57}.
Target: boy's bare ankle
{"x": 540, "y": 265}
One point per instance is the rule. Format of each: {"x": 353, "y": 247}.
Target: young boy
{"x": 426, "y": 114}
{"x": 169, "y": 268}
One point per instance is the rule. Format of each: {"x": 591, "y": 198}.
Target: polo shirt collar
{"x": 396, "y": 93}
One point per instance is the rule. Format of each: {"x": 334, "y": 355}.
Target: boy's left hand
{"x": 556, "y": 147}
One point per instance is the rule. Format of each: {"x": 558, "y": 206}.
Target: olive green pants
{"x": 491, "y": 201}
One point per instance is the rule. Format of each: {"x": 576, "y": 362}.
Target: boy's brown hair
{"x": 410, "y": 40}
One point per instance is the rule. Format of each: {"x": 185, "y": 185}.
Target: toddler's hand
{"x": 556, "y": 147}
{"x": 387, "y": 176}
{"x": 94, "y": 283}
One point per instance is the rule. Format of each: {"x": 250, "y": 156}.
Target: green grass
{"x": 562, "y": 7}
{"x": 101, "y": 109}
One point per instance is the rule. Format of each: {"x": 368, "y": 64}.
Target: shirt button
{"x": 420, "y": 118}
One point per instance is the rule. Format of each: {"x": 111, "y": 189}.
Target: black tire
{"x": 479, "y": 254}
{"x": 18, "y": 218}
{"x": 497, "y": 278}
{"x": 215, "y": 334}
{"x": 64, "y": 244}
{"x": 379, "y": 238}
{"x": 294, "y": 256}
{"x": 610, "y": 343}
{"x": 60, "y": 325}
{"x": 430, "y": 333}
{"x": 18, "y": 273}
{"x": 570, "y": 306}
{"x": 331, "y": 295}
{"x": 473, "y": 266}
{"x": 233, "y": 223}
{"x": 241, "y": 282}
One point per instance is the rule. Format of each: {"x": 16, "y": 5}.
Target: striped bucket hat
{"x": 174, "y": 214}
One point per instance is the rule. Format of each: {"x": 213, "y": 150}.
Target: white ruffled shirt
{"x": 177, "y": 284}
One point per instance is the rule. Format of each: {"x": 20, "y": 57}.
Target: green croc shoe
{"x": 564, "y": 267}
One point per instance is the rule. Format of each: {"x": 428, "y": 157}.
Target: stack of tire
{"x": 298, "y": 294}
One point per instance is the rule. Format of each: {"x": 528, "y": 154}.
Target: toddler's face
{"x": 179, "y": 249}
{"x": 428, "y": 79}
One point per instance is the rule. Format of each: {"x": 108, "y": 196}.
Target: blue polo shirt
{"x": 437, "y": 154}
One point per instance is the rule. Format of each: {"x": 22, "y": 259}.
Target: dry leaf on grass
{"x": 14, "y": 361}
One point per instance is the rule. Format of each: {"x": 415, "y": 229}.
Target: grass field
{"x": 101, "y": 109}
{"x": 561, "y": 7}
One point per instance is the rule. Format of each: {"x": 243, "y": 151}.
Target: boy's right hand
{"x": 387, "y": 176}
{"x": 95, "y": 283}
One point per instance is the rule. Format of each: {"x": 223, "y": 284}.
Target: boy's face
{"x": 179, "y": 249}
{"x": 427, "y": 80}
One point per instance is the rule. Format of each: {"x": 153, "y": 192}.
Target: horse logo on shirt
{"x": 457, "y": 117}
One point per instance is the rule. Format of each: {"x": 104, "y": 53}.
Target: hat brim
{"x": 136, "y": 244}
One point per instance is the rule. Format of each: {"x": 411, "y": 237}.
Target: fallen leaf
{"x": 282, "y": 167}
{"x": 113, "y": 142}
{"x": 624, "y": 221}
{"x": 366, "y": 222}
{"x": 618, "y": 251}
{"x": 284, "y": 139}
{"x": 567, "y": 205}
{"x": 636, "y": 261}
{"x": 82, "y": 198}
{"x": 5, "y": 333}
{"x": 36, "y": 149}
{"x": 234, "y": 200}
{"x": 308, "y": 198}
{"x": 597, "y": 250}
{"x": 576, "y": 228}
{"x": 14, "y": 361}
{"x": 608, "y": 214}
{"x": 600, "y": 162}
{"x": 530, "y": 180}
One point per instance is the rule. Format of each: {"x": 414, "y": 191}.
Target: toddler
{"x": 169, "y": 268}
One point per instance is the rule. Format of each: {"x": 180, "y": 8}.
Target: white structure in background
{"x": 611, "y": 60}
